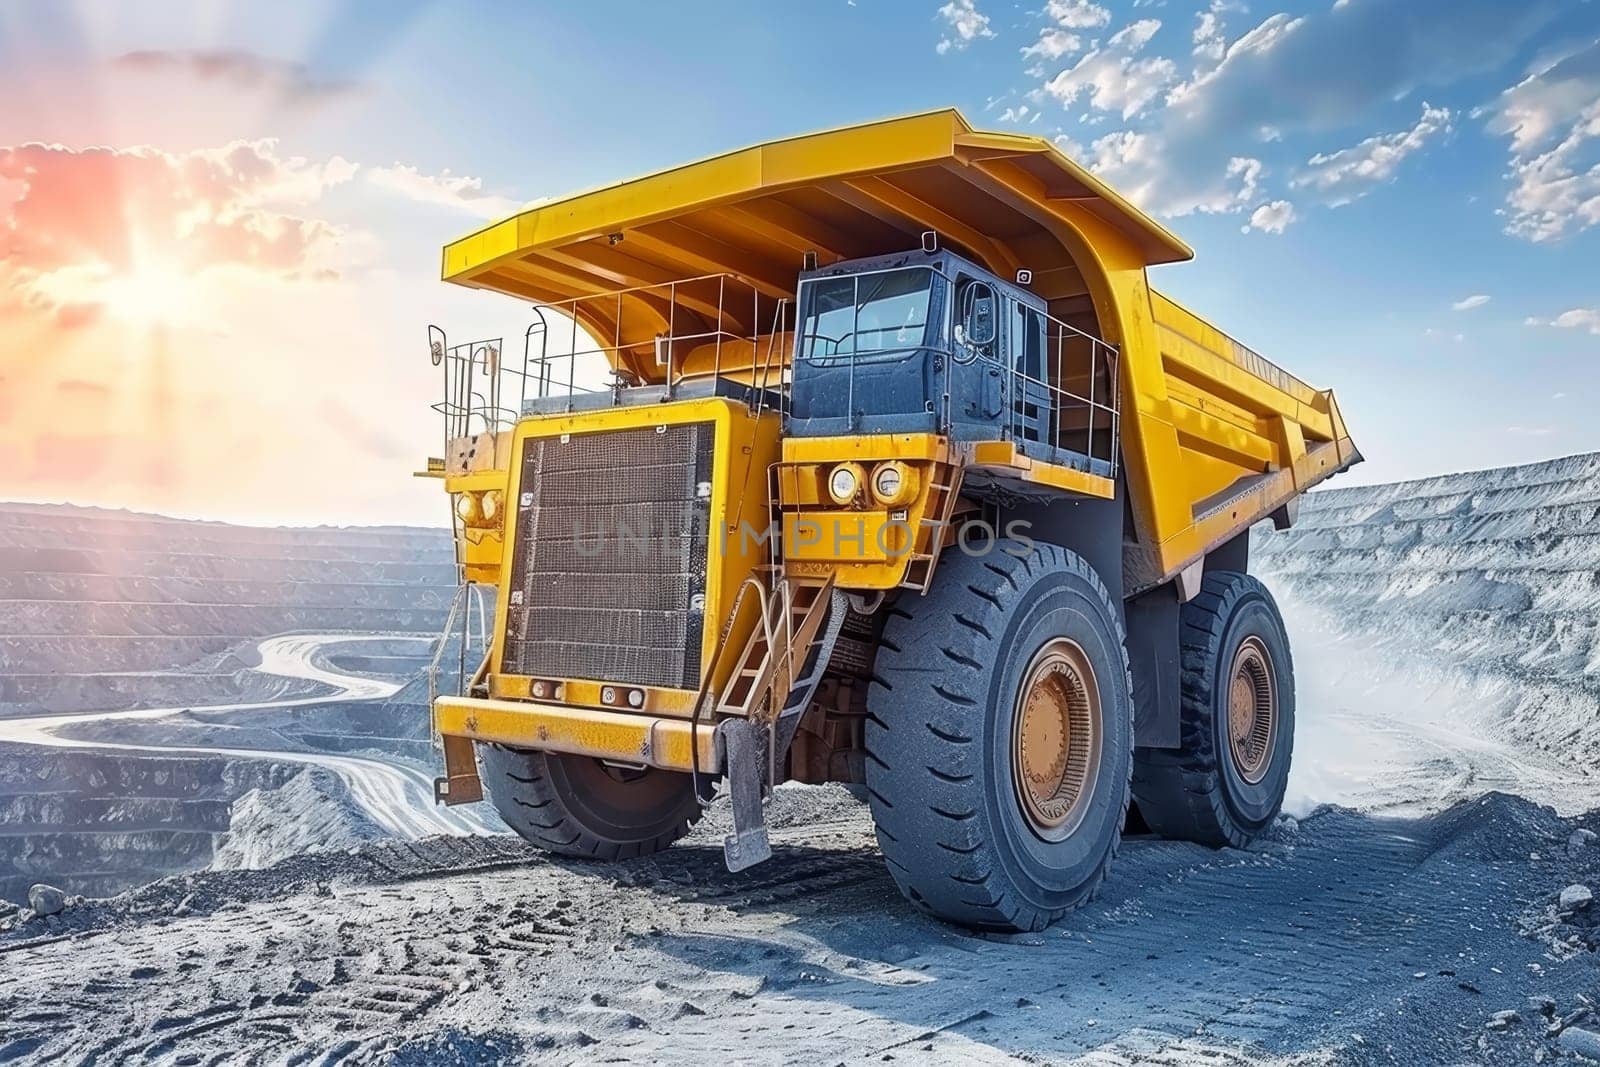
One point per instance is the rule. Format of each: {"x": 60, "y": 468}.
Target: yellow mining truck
{"x": 871, "y": 457}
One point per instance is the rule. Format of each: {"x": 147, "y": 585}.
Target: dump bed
{"x": 1214, "y": 436}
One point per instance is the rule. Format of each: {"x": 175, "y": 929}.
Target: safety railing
{"x": 1083, "y": 417}
{"x": 478, "y": 386}
{"x": 710, "y": 326}
{"x": 466, "y": 633}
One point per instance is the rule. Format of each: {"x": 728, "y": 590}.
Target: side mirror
{"x": 979, "y": 318}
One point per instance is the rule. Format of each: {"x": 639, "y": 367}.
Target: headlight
{"x": 893, "y": 483}
{"x": 491, "y": 505}
{"x": 470, "y": 507}
{"x": 844, "y": 483}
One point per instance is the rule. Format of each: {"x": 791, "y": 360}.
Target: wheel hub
{"x": 1252, "y": 710}
{"x": 1056, "y": 739}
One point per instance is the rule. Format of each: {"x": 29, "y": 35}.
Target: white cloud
{"x": 1273, "y": 217}
{"x": 1113, "y": 78}
{"x": 1541, "y": 106}
{"x": 1077, "y": 14}
{"x": 1574, "y": 319}
{"x": 1257, "y": 43}
{"x": 445, "y": 189}
{"x": 1290, "y": 76}
{"x": 1208, "y": 39}
{"x": 1477, "y": 300}
{"x": 1553, "y": 120}
{"x": 1054, "y": 43}
{"x": 1136, "y": 165}
{"x": 1015, "y": 114}
{"x": 1351, "y": 173}
{"x": 1210, "y": 36}
{"x": 966, "y": 25}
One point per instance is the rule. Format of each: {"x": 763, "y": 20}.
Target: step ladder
{"x": 945, "y": 492}
{"x": 774, "y": 655}
{"x": 752, "y": 712}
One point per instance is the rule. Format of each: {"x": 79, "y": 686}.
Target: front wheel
{"x": 579, "y": 806}
{"x": 1000, "y": 738}
{"x": 1225, "y": 785}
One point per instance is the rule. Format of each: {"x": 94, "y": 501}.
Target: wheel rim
{"x": 1056, "y": 739}
{"x": 1252, "y": 710}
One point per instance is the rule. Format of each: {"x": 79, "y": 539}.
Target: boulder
{"x": 1582, "y": 1042}
{"x": 46, "y": 899}
{"x": 1576, "y": 898}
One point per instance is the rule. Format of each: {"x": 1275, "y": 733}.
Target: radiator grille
{"x": 608, "y": 572}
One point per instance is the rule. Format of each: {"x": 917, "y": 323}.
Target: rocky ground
{"x": 1342, "y": 938}
{"x": 1430, "y": 898}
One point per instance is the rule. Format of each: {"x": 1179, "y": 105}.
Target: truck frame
{"x": 868, "y": 456}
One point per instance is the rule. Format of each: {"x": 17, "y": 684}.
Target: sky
{"x": 221, "y": 221}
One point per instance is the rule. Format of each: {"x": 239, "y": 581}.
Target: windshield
{"x": 866, "y": 314}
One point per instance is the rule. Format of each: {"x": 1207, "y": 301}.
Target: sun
{"x": 153, "y": 292}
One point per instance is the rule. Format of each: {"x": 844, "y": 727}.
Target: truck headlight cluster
{"x": 845, "y": 482}
{"x": 479, "y": 509}
{"x": 893, "y": 483}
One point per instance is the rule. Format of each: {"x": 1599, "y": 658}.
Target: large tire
{"x": 1225, "y": 785}
{"x": 961, "y": 833}
{"x": 577, "y": 806}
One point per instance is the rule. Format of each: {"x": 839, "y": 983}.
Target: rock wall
{"x": 1488, "y": 579}
{"x": 97, "y": 823}
{"x": 94, "y": 600}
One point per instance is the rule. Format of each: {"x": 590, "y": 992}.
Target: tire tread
{"x": 518, "y": 784}
{"x": 938, "y": 858}
{"x": 1180, "y": 792}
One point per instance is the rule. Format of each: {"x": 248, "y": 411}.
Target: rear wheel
{"x": 579, "y": 806}
{"x": 1225, "y": 785}
{"x": 1000, "y": 738}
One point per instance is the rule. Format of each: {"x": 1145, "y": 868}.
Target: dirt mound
{"x": 1485, "y": 583}
{"x": 312, "y": 812}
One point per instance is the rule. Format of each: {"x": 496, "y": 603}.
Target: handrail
{"x": 750, "y": 582}
{"x": 701, "y": 311}
{"x": 704, "y": 312}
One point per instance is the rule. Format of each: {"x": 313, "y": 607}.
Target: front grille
{"x": 608, "y": 572}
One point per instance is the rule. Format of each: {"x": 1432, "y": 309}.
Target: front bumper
{"x": 653, "y": 741}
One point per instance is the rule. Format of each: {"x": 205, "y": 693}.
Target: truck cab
{"x": 930, "y": 342}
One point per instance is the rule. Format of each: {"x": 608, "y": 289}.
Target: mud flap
{"x": 742, "y": 744}
{"x": 460, "y": 783}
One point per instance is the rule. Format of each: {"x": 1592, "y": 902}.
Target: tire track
{"x": 1285, "y": 953}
